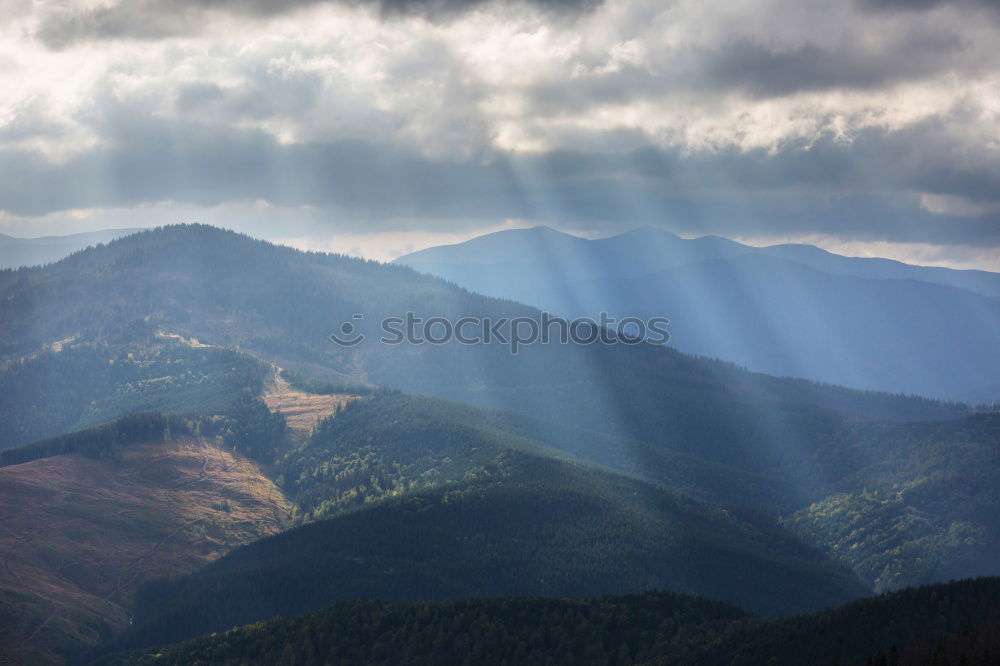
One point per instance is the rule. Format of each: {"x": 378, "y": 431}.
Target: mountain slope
{"x": 985, "y": 283}
{"x": 81, "y": 533}
{"x": 495, "y": 631}
{"x": 903, "y": 504}
{"x": 785, "y": 319}
{"x": 652, "y": 628}
{"x": 393, "y": 444}
{"x": 228, "y": 290}
{"x": 524, "y": 526}
{"x": 788, "y": 310}
{"x": 919, "y": 504}
{"x": 79, "y": 384}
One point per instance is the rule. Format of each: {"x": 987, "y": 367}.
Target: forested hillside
{"x": 903, "y": 504}
{"x": 224, "y": 289}
{"x": 83, "y": 384}
{"x": 15, "y": 252}
{"x": 412, "y": 492}
{"x": 973, "y": 645}
{"x": 520, "y": 525}
{"x": 396, "y": 443}
{"x": 915, "y": 502}
{"x": 227, "y": 289}
{"x": 653, "y": 628}
{"x": 267, "y": 422}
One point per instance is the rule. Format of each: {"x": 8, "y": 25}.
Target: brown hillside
{"x": 78, "y": 536}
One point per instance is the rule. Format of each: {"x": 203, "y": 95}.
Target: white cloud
{"x": 472, "y": 84}
{"x": 388, "y": 245}
{"x": 500, "y": 80}
{"x": 946, "y": 204}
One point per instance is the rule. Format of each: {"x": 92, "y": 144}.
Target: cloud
{"x": 874, "y": 186}
{"x": 922, "y": 5}
{"x": 156, "y": 19}
{"x": 765, "y": 117}
{"x": 763, "y": 71}
{"x": 764, "y": 51}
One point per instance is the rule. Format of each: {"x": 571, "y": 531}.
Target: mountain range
{"x": 435, "y": 472}
{"x": 787, "y": 310}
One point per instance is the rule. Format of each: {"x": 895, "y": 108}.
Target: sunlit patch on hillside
{"x": 301, "y": 409}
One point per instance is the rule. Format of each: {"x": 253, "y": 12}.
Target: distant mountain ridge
{"x": 787, "y": 310}
{"x": 16, "y": 252}
{"x": 648, "y": 250}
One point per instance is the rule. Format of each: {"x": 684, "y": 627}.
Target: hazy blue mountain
{"x": 788, "y": 310}
{"x": 980, "y": 282}
{"x": 786, "y": 319}
{"x": 648, "y": 250}
{"x": 281, "y": 304}
{"x": 15, "y": 252}
{"x": 509, "y": 264}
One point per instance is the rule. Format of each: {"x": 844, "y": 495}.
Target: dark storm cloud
{"x": 924, "y": 5}
{"x": 149, "y": 160}
{"x": 157, "y": 19}
{"x": 924, "y": 157}
{"x": 764, "y": 72}
{"x": 866, "y": 188}
{"x": 912, "y": 52}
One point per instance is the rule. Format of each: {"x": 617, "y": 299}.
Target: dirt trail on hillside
{"x": 303, "y": 410}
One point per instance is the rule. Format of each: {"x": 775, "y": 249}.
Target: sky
{"x": 869, "y": 127}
